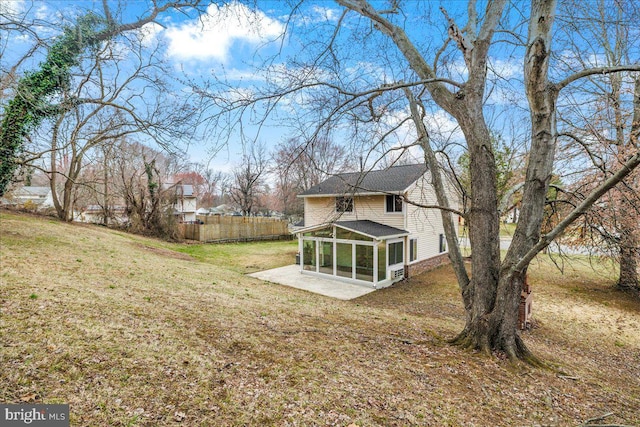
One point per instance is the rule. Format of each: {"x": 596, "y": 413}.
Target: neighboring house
{"x": 95, "y": 214}
{"x": 359, "y": 227}
{"x": 41, "y": 197}
{"x": 186, "y": 202}
{"x": 222, "y": 210}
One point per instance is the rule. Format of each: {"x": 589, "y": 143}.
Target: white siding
{"x": 318, "y": 210}
{"x": 425, "y": 224}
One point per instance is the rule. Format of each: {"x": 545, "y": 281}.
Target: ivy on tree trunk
{"x": 31, "y": 103}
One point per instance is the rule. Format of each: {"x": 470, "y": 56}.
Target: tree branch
{"x": 593, "y": 71}
{"x": 580, "y": 210}
{"x": 414, "y": 58}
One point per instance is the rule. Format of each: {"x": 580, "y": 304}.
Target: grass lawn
{"x": 137, "y": 332}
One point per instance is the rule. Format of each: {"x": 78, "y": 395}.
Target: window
{"x": 443, "y": 244}
{"x": 326, "y": 257}
{"x": 364, "y": 263}
{"x": 344, "y": 204}
{"x": 350, "y": 235}
{"x": 394, "y": 203}
{"x": 309, "y": 255}
{"x": 382, "y": 262}
{"x": 344, "y": 259}
{"x": 395, "y": 253}
{"x": 413, "y": 250}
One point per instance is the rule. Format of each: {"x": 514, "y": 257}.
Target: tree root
{"x": 516, "y": 351}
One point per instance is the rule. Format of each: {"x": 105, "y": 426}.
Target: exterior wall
{"x": 425, "y": 224}
{"x": 426, "y": 265}
{"x": 189, "y": 216}
{"x": 319, "y": 210}
{"x": 39, "y": 196}
{"x": 187, "y": 207}
{"x": 188, "y": 204}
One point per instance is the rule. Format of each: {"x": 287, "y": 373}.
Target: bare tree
{"x": 140, "y": 180}
{"x": 604, "y": 132}
{"x": 104, "y": 106}
{"x": 299, "y": 165}
{"x": 456, "y": 81}
{"x": 34, "y": 91}
{"x": 249, "y": 178}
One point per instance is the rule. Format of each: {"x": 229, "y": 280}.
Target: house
{"x": 38, "y": 197}
{"x": 358, "y": 227}
{"x": 185, "y": 201}
{"x": 95, "y": 214}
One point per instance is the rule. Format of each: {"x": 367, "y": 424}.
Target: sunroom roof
{"x": 371, "y": 228}
{"x": 365, "y": 227}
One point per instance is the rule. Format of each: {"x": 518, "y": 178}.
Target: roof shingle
{"x": 392, "y": 180}
{"x": 371, "y": 228}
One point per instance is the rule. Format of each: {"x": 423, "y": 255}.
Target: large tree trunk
{"x": 480, "y": 331}
{"x": 491, "y": 302}
{"x": 629, "y": 261}
{"x": 494, "y": 320}
{"x": 629, "y": 228}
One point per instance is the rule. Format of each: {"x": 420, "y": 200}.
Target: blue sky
{"x": 227, "y": 40}
{"x": 230, "y": 41}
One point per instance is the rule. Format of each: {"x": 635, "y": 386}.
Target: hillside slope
{"x": 133, "y": 331}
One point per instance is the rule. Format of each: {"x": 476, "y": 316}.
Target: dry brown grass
{"x": 132, "y": 331}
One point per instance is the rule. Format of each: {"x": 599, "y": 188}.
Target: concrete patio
{"x": 291, "y": 276}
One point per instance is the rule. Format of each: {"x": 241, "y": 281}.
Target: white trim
{"x": 357, "y": 193}
{"x": 397, "y": 265}
{"x": 313, "y": 227}
{"x": 394, "y": 212}
{"x": 391, "y": 236}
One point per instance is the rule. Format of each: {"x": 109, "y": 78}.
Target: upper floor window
{"x": 344, "y": 204}
{"x": 394, "y": 203}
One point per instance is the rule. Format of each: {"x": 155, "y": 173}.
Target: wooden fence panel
{"x": 235, "y": 228}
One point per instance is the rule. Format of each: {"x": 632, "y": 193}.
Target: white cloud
{"x": 43, "y": 12}
{"x": 329, "y": 14}
{"x": 507, "y": 69}
{"x": 442, "y": 124}
{"x": 214, "y": 34}
{"x": 12, "y": 7}
{"x": 315, "y": 15}
{"x": 149, "y": 32}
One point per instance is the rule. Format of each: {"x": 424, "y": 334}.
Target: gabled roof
{"x": 182, "y": 190}
{"x": 372, "y": 229}
{"x": 368, "y": 228}
{"x": 393, "y": 180}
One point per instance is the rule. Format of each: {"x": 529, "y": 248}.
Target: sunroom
{"x": 363, "y": 252}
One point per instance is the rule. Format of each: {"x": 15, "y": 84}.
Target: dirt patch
{"x": 165, "y": 252}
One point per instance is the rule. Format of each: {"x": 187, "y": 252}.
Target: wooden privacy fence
{"x": 218, "y": 228}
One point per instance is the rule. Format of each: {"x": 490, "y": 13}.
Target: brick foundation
{"x": 426, "y": 265}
